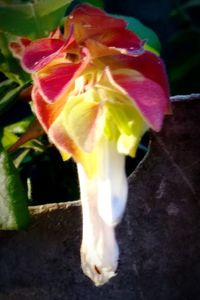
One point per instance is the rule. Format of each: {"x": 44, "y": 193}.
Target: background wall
{"x": 159, "y": 236}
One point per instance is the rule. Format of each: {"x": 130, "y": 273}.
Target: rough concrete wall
{"x": 159, "y": 236}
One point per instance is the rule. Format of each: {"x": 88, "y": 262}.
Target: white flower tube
{"x": 103, "y": 201}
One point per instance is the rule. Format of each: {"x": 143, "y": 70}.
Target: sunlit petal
{"x": 111, "y": 183}
{"x": 103, "y": 201}
{"x": 130, "y": 124}
{"x": 56, "y": 77}
{"x": 46, "y": 113}
{"x": 148, "y": 96}
{"x": 52, "y": 81}
{"x": 149, "y": 65}
{"x": 88, "y": 130}
{"x": 40, "y": 52}
{"x": 59, "y": 136}
{"x": 122, "y": 39}
{"x": 87, "y": 21}
{"x": 66, "y": 145}
{"x": 98, "y": 49}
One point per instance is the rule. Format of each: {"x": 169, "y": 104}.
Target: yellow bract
{"x": 99, "y": 109}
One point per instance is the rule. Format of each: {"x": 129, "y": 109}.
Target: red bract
{"x": 92, "y": 42}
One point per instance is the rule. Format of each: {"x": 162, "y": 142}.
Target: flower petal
{"x": 60, "y": 138}
{"x": 56, "y": 34}
{"x": 148, "y": 96}
{"x": 151, "y": 66}
{"x": 111, "y": 183}
{"x": 84, "y": 120}
{"x": 40, "y": 52}
{"x": 53, "y": 80}
{"x": 46, "y": 113}
{"x": 147, "y": 64}
{"x": 56, "y": 77}
{"x": 99, "y": 250}
{"x": 97, "y": 49}
{"x": 130, "y": 124}
{"x": 121, "y": 38}
{"x": 87, "y": 21}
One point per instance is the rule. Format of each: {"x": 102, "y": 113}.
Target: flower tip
{"x": 98, "y": 275}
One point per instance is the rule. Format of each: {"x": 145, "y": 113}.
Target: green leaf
{"x": 34, "y": 145}
{"x": 8, "y": 138}
{"x": 33, "y": 19}
{"x": 145, "y": 33}
{"x": 21, "y": 126}
{"x": 180, "y": 9}
{"x": 97, "y": 3}
{"x": 8, "y": 92}
{"x": 13, "y": 200}
{"x": 19, "y": 135}
{"x": 181, "y": 69}
{"x": 19, "y": 159}
{"x": 28, "y": 138}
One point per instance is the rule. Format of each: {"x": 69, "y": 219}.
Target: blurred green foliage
{"x": 13, "y": 198}
{"x": 33, "y": 19}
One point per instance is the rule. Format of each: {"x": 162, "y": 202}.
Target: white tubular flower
{"x": 103, "y": 201}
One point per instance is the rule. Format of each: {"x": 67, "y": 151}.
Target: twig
{"x": 185, "y": 97}
{"x": 52, "y": 206}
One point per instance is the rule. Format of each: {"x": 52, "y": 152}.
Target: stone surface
{"x": 159, "y": 236}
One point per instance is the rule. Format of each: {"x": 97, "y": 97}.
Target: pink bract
{"x": 93, "y": 40}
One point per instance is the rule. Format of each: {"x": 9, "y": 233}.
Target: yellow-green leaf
{"x": 13, "y": 200}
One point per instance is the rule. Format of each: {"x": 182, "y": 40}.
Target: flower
{"x": 96, "y": 91}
